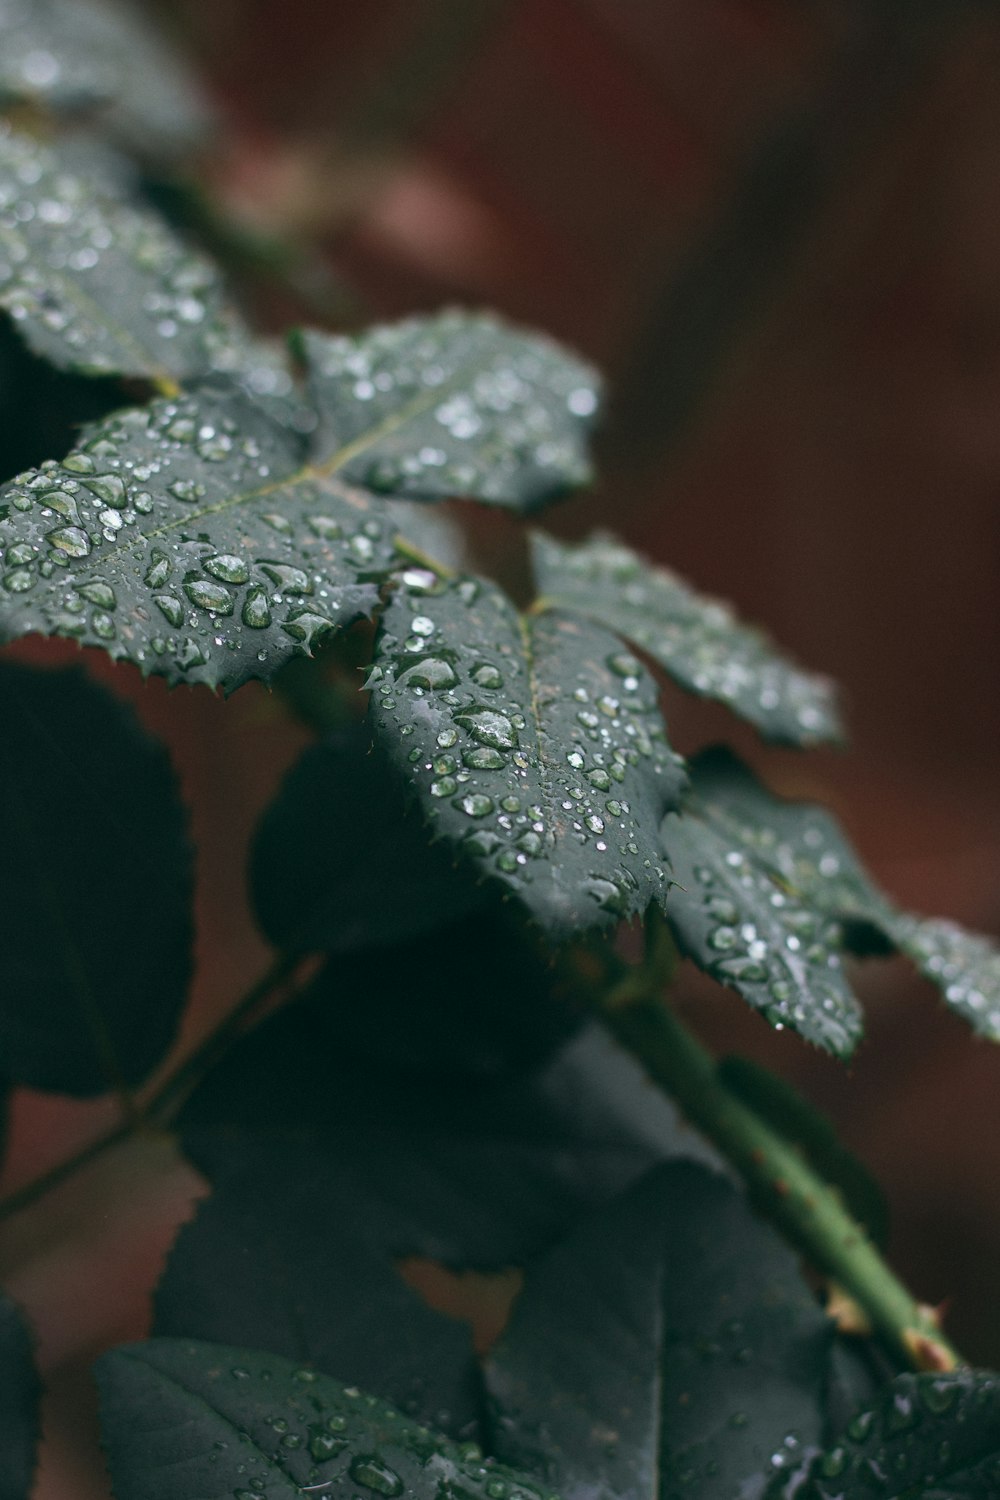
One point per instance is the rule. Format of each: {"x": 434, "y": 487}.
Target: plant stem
{"x": 167, "y": 1098}
{"x": 806, "y": 1209}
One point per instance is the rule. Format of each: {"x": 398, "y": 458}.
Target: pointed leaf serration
{"x": 697, "y": 639}
{"x": 534, "y": 744}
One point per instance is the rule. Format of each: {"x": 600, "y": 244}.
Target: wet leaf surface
{"x": 19, "y": 1398}
{"x": 458, "y": 404}
{"x": 804, "y": 847}
{"x": 95, "y": 925}
{"x": 536, "y": 746}
{"x": 194, "y": 1418}
{"x": 96, "y": 285}
{"x": 697, "y": 639}
{"x": 663, "y": 1350}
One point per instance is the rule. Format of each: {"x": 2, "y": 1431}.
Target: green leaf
{"x": 458, "y": 404}
{"x": 293, "y": 1254}
{"x": 95, "y": 925}
{"x": 815, "y": 1136}
{"x": 738, "y": 921}
{"x": 528, "y": 749}
{"x": 70, "y": 57}
{"x": 184, "y": 1418}
{"x": 96, "y": 285}
{"x": 696, "y": 639}
{"x": 20, "y": 1391}
{"x": 663, "y": 1350}
{"x": 806, "y": 849}
{"x": 929, "y": 1437}
{"x": 339, "y": 863}
{"x": 187, "y": 537}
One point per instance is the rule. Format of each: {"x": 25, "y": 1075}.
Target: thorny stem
{"x": 156, "y": 1112}
{"x": 808, "y": 1211}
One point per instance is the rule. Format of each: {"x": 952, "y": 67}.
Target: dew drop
{"x": 209, "y": 595}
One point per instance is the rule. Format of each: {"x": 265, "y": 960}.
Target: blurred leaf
{"x": 337, "y": 863}
{"x": 20, "y": 1391}
{"x": 696, "y": 639}
{"x": 457, "y": 404}
{"x": 96, "y": 285}
{"x": 95, "y": 926}
{"x": 804, "y": 847}
{"x": 663, "y": 1350}
{"x": 294, "y": 1255}
{"x": 527, "y": 749}
{"x": 929, "y": 1437}
{"x": 739, "y": 923}
{"x": 797, "y": 1121}
{"x": 101, "y": 60}
{"x": 189, "y": 1418}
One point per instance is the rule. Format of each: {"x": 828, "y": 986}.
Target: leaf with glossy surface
{"x": 804, "y": 846}
{"x": 697, "y": 639}
{"x": 739, "y": 923}
{"x": 458, "y": 404}
{"x": 98, "y": 286}
{"x": 340, "y": 862}
{"x": 662, "y": 1351}
{"x": 531, "y": 748}
{"x": 193, "y": 1418}
{"x": 929, "y": 1437}
{"x": 94, "y": 56}
{"x": 20, "y": 1392}
{"x": 95, "y": 925}
{"x": 293, "y": 1254}
{"x": 187, "y": 537}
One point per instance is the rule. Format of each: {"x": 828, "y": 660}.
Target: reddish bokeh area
{"x": 775, "y": 226}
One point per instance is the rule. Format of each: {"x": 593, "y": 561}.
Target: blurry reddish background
{"x": 776, "y": 225}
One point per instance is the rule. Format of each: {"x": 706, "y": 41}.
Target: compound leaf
{"x": 295, "y": 1255}
{"x": 662, "y": 1350}
{"x": 96, "y": 285}
{"x": 20, "y": 1391}
{"x": 99, "y": 58}
{"x": 696, "y": 639}
{"x": 340, "y": 862}
{"x": 738, "y": 921}
{"x": 195, "y": 1418}
{"x": 458, "y": 404}
{"x": 928, "y": 1437}
{"x": 804, "y": 848}
{"x": 95, "y": 925}
{"x": 533, "y": 744}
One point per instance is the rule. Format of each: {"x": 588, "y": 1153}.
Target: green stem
{"x": 167, "y": 1098}
{"x": 806, "y": 1209}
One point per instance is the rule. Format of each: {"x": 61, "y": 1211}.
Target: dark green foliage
{"x": 196, "y": 1418}
{"x": 339, "y": 862}
{"x": 663, "y": 1350}
{"x": 96, "y": 59}
{"x": 803, "y": 847}
{"x": 294, "y": 1254}
{"x": 738, "y": 921}
{"x": 696, "y": 639}
{"x": 928, "y": 1437}
{"x": 19, "y": 1397}
{"x": 535, "y": 745}
{"x": 95, "y": 924}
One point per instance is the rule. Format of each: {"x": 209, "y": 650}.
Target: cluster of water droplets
{"x": 697, "y": 639}
{"x": 544, "y": 755}
{"x": 964, "y": 965}
{"x": 170, "y": 536}
{"x": 750, "y": 932}
{"x": 320, "y": 1435}
{"x": 96, "y": 284}
{"x": 456, "y": 405}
